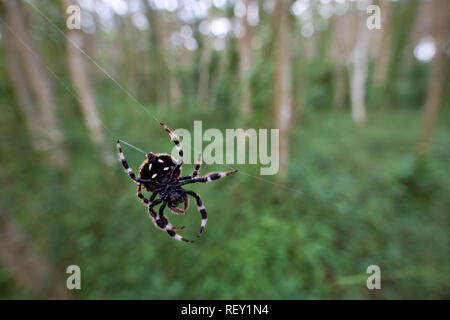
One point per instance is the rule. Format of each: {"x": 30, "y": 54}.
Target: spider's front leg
{"x": 175, "y": 140}
{"x": 130, "y": 171}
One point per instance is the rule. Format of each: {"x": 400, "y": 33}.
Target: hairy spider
{"x": 160, "y": 174}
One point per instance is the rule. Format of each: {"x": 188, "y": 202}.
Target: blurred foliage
{"x": 358, "y": 197}
{"x": 354, "y": 196}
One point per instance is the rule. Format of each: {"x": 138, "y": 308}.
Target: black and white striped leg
{"x": 197, "y": 166}
{"x": 196, "y": 169}
{"x": 128, "y": 169}
{"x": 152, "y": 198}
{"x": 151, "y": 212}
{"x": 201, "y": 209}
{"x": 155, "y": 218}
{"x": 141, "y": 196}
{"x": 209, "y": 177}
{"x": 175, "y": 140}
{"x": 124, "y": 162}
{"x": 163, "y": 223}
{"x": 160, "y": 221}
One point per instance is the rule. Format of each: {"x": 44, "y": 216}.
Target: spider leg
{"x": 175, "y": 140}
{"x": 141, "y": 196}
{"x": 128, "y": 169}
{"x": 185, "y": 207}
{"x": 161, "y": 215}
{"x": 196, "y": 170}
{"x": 150, "y": 205}
{"x": 209, "y": 177}
{"x": 151, "y": 212}
{"x": 201, "y": 209}
{"x": 197, "y": 166}
{"x": 163, "y": 223}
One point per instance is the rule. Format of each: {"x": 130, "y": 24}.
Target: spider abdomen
{"x": 157, "y": 167}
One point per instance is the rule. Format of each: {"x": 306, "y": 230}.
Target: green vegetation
{"x": 358, "y": 197}
{"x": 354, "y": 194}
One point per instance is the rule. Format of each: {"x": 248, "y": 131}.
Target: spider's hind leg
{"x": 176, "y": 236}
{"x": 185, "y": 207}
{"x": 201, "y": 209}
{"x": 163, "y": 223}
{"x": 150, "y": 204}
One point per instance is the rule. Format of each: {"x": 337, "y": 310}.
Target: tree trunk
{"x": 203, "y": 82}
{"x": 175, "y": 92}
{"x": 436, "y": 79}
{"x": 403, "y": 15}
{"x": 339, "y": 81}
{"x": 22, "y": 91}
{"x": 131, "y": 64}
{"x": 343, "y": 41}
{"x": 159, "y": 66}
{"x": 245, "y": 62}
{"x": 224, "y": 62}
{"x": 83, "y": 88}
{"x": 359, "y": 70}
{"x": 383, "y": 46}
{"x": 45, "y": 130}
{"x": 25, "y": 265}
{"x": 283, "y": 84}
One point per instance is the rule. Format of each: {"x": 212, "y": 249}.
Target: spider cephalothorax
{"x": 160, "y": 175}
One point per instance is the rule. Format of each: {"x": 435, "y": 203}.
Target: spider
{"x": 160, "y": 174}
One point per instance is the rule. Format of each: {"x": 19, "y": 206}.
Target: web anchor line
{"x": 134, "y": 147}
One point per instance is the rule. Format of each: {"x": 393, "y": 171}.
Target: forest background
{"x": 364, "y": 173}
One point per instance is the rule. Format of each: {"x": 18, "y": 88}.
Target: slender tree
{"x": 382, "y": 46}
{"x": 245, "y": 59}
{"x": 166, "y": 87}
{"x": 342, "y": 43}
{"x": 283, "y": 82}
{"x": 204, "y": 78}
{"x": 42, "y": 123}
{"x": 435, "y": 88}
{"x": 359, "y": 68}
{"x": 402, "y": 18}
{"x": 77, "y": 68}
{"x": 22, "y": 91}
